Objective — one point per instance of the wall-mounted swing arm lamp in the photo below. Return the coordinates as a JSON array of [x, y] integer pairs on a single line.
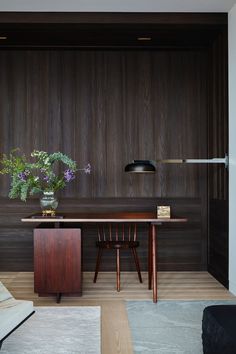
[[149, 166]]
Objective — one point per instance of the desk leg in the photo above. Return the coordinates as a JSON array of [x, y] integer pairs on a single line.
[[154, 262], [150, 258]]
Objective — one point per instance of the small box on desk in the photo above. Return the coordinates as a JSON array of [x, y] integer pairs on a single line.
[[163, 212], [40, 216]]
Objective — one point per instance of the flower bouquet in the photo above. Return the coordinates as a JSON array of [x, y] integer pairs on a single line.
[[39, 176]]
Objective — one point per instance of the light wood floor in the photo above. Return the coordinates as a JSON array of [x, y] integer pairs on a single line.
[[116, 336]]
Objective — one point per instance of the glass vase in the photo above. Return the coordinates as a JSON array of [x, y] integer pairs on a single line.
[[48, 203]]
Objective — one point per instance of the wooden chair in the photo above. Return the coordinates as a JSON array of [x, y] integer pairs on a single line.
[[117, 237]]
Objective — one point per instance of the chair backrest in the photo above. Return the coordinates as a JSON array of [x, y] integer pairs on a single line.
[[117, 231]]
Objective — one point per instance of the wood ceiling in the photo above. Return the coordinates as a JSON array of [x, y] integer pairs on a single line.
[[109, 30]]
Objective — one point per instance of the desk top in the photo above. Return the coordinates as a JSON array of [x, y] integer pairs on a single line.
[[149, 217]]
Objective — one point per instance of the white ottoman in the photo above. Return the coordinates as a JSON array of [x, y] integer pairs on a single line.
[[12, 312]]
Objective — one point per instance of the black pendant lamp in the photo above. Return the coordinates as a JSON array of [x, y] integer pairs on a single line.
[[147, 166], [140, 166]]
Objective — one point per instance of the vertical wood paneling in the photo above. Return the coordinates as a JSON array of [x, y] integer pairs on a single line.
[[218, 146], [107, 108]]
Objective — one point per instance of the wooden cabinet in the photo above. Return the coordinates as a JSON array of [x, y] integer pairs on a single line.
[[57, 262]]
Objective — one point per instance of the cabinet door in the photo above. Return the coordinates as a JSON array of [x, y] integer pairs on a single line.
[[57, 261]]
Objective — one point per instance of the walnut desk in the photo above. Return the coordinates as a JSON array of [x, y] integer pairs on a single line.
[[118, 217]]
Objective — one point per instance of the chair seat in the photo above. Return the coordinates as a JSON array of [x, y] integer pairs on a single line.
[[117, 244]]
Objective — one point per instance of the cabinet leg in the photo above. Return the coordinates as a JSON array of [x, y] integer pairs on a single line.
[[58, 298]]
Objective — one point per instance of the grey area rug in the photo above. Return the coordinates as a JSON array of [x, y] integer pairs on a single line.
[[57, 330], [168, 327]]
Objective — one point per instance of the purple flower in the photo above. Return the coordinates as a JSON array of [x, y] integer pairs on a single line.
[[69, 175], [22, 176], [46, 178], [87, 169]]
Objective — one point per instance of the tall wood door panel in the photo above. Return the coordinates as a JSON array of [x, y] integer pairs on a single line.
[[218, 179], [57, 261]]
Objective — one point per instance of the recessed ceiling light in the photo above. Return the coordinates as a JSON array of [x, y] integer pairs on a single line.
[[3, 37], [144, 38]]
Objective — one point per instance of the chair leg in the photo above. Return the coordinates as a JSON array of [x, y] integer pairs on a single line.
[[136, 261], [99, 256], [118, 269]]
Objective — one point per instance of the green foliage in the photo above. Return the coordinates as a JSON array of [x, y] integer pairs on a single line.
[[28, 178]]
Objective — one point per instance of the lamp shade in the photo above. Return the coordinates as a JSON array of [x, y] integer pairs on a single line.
[[140, 166]]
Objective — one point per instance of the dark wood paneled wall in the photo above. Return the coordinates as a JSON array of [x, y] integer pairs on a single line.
[[218, 175], [107, 108]]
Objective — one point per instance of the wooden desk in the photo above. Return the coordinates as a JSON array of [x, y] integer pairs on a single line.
[[120, 217]]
